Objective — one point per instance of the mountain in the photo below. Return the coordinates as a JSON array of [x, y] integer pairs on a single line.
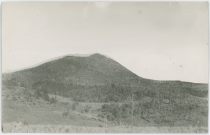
[[94, 70], [97, 79]]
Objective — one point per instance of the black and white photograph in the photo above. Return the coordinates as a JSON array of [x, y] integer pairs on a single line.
[[104, 67]]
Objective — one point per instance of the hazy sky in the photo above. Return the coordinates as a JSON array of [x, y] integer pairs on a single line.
[[167, 41]]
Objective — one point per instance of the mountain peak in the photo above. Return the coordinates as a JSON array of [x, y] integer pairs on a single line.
[[97, 55]]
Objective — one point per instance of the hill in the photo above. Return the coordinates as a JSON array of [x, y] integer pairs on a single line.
[[64, 75], [105, 89]]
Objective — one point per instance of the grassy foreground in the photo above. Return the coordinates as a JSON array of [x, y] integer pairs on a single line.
[[20, 128]]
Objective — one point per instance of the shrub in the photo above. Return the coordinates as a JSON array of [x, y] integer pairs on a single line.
[[87, 108], [52, 100], [74, 105]]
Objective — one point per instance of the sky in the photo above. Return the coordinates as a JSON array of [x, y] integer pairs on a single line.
[[156, 40]]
